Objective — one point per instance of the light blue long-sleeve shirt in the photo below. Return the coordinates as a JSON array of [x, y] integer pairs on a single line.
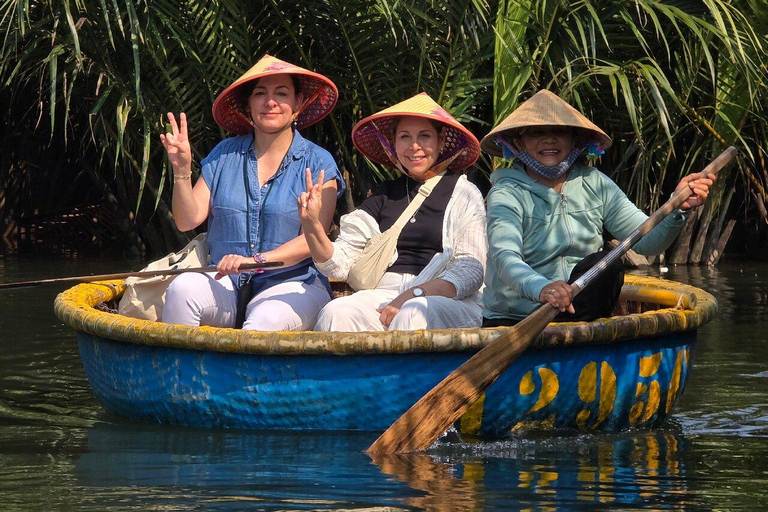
[[537, 235]]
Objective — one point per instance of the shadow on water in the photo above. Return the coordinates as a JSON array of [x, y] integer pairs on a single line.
[[60, 451]]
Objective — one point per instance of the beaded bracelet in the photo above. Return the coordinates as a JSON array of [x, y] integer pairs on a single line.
[[182, 177], [259, 258]]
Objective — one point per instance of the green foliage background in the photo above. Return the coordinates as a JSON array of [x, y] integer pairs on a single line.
[[86, 83]]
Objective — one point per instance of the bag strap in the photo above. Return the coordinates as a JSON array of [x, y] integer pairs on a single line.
[[410, 211]]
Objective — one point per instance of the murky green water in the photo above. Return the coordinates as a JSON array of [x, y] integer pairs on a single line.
[[60, 451]]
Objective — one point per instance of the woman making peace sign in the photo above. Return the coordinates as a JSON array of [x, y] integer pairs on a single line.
[[434, 276], [248, 192]]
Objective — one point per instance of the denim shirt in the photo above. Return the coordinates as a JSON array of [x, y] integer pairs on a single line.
[[245, 218]]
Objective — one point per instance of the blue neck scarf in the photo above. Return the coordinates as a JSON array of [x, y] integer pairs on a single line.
[[549, 172]]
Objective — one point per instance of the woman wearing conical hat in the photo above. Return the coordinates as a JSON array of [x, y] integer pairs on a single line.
[[247, 191], [432, 279], [547, 213]]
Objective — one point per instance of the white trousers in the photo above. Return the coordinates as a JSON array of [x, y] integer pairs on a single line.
[[357, 312], [199, 299]]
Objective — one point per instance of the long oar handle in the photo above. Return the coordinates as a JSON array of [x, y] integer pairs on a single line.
[[144, 274], [659, 215]]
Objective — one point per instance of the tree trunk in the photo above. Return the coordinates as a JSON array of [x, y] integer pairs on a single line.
[[694, 258], [349, 202], [760, 206], [715, 256], [714, 235], [683, 244]]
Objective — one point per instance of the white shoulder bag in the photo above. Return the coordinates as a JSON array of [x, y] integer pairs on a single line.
[[377, 255], [145, 298]]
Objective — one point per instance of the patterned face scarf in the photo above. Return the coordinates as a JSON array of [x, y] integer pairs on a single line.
[[546, 171]]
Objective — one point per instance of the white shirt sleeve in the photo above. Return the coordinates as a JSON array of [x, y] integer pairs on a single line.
[[470, 244], [355, 229]]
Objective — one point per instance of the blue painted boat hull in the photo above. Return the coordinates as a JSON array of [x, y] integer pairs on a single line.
[[608, 387]]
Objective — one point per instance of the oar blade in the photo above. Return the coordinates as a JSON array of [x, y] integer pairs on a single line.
[[436, 411]]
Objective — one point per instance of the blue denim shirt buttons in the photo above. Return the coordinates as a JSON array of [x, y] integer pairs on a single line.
[[246, 218]]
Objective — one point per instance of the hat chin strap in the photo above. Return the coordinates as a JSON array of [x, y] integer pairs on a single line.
[[441, 166]]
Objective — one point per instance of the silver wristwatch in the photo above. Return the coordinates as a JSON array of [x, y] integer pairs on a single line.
[[418, 292]]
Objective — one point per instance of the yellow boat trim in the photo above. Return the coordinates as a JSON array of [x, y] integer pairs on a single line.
[[685, 308]]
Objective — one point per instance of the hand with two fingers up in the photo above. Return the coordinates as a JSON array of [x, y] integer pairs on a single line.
[[311, 201], [176, 144]]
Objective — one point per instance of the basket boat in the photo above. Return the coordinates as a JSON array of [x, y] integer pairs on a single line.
[[626, 371]]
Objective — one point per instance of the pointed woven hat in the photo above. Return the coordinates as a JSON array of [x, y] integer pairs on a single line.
[[320, 95], [544, 109], [368, 133]]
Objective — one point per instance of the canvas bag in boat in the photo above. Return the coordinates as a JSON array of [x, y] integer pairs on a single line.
[[144, 298], [375, 259]]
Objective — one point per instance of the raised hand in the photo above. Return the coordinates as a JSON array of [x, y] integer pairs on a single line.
[[176, 144], [311, 201], [699, 185]]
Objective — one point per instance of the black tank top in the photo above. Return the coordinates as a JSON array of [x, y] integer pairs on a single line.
[[421, 239]]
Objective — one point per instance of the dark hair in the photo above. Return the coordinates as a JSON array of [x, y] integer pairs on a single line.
[[296, 84]]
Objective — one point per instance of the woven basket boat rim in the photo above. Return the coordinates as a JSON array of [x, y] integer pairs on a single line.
[[77, 308]]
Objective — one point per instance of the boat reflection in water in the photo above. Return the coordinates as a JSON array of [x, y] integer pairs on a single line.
[[180, 468], [625, 471]]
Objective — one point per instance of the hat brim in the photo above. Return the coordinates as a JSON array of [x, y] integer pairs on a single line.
[[544, 108], [491, 147], [228, 109]]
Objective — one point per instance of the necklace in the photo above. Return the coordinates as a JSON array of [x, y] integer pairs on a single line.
[[408, 196]]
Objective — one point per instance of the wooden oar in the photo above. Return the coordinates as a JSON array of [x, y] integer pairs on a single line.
[[123, 275], [436, 411]]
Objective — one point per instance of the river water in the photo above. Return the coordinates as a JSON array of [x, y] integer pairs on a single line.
[[60, 451]]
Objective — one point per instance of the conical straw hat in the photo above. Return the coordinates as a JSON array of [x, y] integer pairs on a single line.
[[544, 109], [320, 95], [367, 134]]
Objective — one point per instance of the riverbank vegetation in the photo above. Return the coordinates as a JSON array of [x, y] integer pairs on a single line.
[[86, 84]]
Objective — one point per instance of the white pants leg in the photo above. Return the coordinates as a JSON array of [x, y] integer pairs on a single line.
[[291, 306], [357, 312], [199, 299], [437, 312]]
